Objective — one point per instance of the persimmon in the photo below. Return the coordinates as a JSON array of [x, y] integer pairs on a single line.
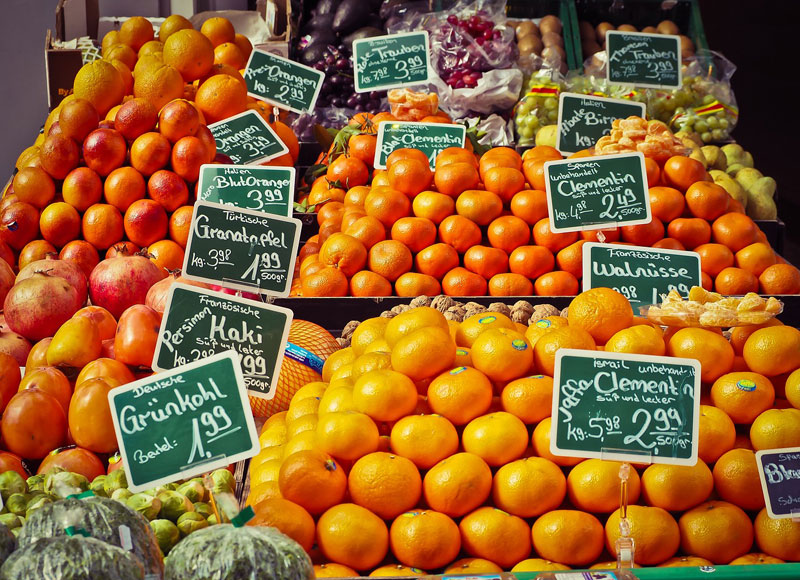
[[33, 424], [90, 422], [74, 459], [137, 332]]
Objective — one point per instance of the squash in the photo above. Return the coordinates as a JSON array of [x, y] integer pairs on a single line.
[[71, 558], [249, 553]]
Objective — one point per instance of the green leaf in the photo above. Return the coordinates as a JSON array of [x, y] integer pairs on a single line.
[[323, 136]]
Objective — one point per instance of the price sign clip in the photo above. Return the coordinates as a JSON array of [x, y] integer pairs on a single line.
[[625, 545]]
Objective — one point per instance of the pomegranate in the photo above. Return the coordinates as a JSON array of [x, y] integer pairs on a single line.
[[122, 281], [62, 268], [15, 345], [37, 306], [7, 279], [157, 295]]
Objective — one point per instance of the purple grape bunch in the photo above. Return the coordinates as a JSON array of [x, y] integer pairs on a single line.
[[338, 88]]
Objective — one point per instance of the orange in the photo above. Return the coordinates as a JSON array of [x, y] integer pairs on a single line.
[[415, 232], [529, 205], [461, 282], [534, 172], [99, 83], [123, 186], [644, 234], [712, 350], [424, 439], [773, 350], [508, 233], [570, 259], [385, 395], [220, 96], [735, 281], [654, 532], [472, 566], [531, 261], [736, 479], [669, 244], [135, 32], [497, 438], [179, 224], [459, 232], [593, 485], [501, 354], [544, 352], [780, 279], [171, 25], [405, 153], [166, 254], [460, 395], [366, 283], [541, 445], [470, 328], [734, 230], [755, 558], [390, 259], [756, 258], [412, 320], [363, 147], [102, 226], [346, 435], [436, 260], [413, 284], [58, 155], [82, 188], [485, 261], [159, 84], [343, 252], [218, 30], [424, 538], [792, 389], [348, 171], [544, 236], [506, 182], [780, 538], [569, 537], [458, 484], [149, 153], [190, 53], [368, 230], [776, 428], [717, 433], [145, 222], [34, 186], [529, 487], [387, 205], [410, 176], [325, 282], [77, 119], [122, 53], [716, 530], [742, 395], [707, 200], [530, 398], [681, 172], [385, 484], [714, 258], [639, 339], [352, 535], [230, 54], [740, 334], [333, 570], [666, 203], [433, 205], [455, 178], [60, 223], [393, 570], [538, 565], [455, 155], [691, 232], [313, 480], [479, 206], [685, 561], [483, 530], [602, 312], [177, 119], [677, 487], [287, 517]]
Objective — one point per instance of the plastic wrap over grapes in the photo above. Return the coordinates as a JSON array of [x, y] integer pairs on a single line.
[[538, 106]]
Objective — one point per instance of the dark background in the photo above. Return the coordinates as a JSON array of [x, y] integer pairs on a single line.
[[758, 37]]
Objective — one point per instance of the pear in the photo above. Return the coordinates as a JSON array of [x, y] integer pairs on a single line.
[[747, 177], [735, 153], [762, 207], [763, 186], [690, 135], [730, 185], [697, 154], [547, 135], [715, 157], [732, 170], [75, 344]]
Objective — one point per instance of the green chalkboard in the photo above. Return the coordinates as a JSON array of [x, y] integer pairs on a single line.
[[247, 138], [625, 407], [282, 82], [640, 274], [583, 119], [644, 60], [241, 249], [184, 422], [198, 323], [391, 61], [266, 189], [779, 471], [597, 192], [430, 138]]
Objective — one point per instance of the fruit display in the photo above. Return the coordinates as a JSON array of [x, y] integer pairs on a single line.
[[593, 38], [545, 40], [479, 225], [429, 435]]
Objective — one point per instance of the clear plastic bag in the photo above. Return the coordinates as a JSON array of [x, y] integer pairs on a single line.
[[538, 106]]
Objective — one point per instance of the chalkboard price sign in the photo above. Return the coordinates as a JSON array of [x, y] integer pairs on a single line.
[[282, 82], [779, 470], [430, 138], [184, 422], [644, 60], [199, 323], [625, 407], [391, 61], [265, 189], [583, 119], [641, 274], [247, 138], [241, 249], [597, 192]]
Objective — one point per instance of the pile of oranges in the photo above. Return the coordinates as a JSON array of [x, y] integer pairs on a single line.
[[426, 446], [118, 160], [479, 225]]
